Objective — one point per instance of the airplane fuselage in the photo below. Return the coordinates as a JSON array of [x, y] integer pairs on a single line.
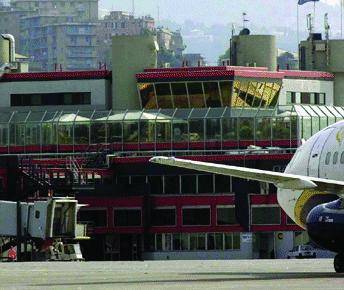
[[320, 213]]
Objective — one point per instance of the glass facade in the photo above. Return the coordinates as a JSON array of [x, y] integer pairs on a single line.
[[209, 94], [172, 129]]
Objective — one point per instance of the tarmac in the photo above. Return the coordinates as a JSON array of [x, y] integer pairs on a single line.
[[252, 274]]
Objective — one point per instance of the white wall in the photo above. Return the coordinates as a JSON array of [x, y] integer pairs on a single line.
[[97, 87], [307, 86]]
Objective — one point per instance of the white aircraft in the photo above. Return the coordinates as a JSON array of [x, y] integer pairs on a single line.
[[310, 191]]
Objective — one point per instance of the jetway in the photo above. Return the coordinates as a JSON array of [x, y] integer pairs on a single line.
[[46, 219]]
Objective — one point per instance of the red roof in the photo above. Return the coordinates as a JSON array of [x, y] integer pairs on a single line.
[[226, 72], [184, 74], [203, 74], [206, 68], [307, 74], [53, 76]]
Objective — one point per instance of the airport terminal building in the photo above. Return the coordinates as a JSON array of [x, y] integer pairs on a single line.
[[71, 140], [90, 134]]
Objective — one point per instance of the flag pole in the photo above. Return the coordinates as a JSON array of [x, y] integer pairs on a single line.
[[298, 23], [314, 16], [341, 18]]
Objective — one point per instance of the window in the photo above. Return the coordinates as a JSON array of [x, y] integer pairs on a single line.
[[225, 215], [222, 184], [215, 241], [342, 158], [53, 99], [156, 184], [305, 98], [205, 184], [328, 158], [180, 95], [171, 184], [196, 216], [177, 242], [127, 217], [147, 93], [212, 94], [96, 217], [291, 98], [189, 184], [197, 99], [319, 99], [197, 242], [335, 158], [164, 96], [163, 217], [163, 242], [138, 180], [266, 215]]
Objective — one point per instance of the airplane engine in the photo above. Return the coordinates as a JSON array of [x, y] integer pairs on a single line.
[[325, 226]]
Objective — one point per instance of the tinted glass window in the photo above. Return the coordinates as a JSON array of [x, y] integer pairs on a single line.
[[164, 217], [222, 184], [127, 217], [172, 184], [226, 216], [196, 216], [266, 215], [51, 99], [97, 218], [156, 184], [189, 184], [205, 184]]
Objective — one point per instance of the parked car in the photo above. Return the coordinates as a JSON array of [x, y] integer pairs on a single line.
[[303, 251]]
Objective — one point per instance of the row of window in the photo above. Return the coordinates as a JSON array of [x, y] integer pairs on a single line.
[[165, 216], [306, 98], [85, 131], [191, 216], [181, 184], [195, 242], [51, 99], [335, 158], [194, 184], [208, 94]]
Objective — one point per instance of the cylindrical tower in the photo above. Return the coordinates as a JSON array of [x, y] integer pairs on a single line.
[[4, 50], [254, 50], [130, 55]]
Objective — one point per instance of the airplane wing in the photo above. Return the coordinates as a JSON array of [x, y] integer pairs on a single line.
[[281, 180]]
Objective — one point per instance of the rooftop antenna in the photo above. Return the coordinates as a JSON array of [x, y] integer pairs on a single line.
[[233, 29], [244, 20], [327, 27], [133, 7], [158, 9], [310, 25]]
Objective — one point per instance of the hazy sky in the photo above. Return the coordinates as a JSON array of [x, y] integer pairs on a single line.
[[260, 12]]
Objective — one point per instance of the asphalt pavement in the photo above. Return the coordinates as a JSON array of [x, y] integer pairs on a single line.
[[252, 274]]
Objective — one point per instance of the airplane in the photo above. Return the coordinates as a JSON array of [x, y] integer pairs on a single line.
[[310, 191]]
